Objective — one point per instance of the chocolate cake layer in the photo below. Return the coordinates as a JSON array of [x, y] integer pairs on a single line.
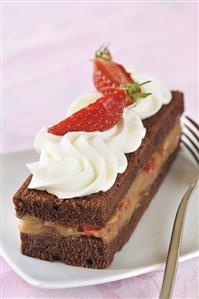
[[88, 251], [125, 209], [96, 209]]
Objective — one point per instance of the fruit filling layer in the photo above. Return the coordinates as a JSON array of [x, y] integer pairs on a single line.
[[131, 201]]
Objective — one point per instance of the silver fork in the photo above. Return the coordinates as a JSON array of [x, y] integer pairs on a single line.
[[191, 141]]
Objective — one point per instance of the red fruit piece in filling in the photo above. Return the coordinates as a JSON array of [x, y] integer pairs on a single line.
[[90, 229], [123, 205], [150, 166]]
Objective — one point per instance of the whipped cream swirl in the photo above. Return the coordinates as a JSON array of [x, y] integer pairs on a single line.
[[81, 163], [160, 95]]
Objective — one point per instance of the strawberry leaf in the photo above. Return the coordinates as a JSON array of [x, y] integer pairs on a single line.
[[133, 90], [142, 95]]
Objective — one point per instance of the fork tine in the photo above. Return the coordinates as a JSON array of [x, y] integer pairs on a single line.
[[191, 151], [193, 122], [191, 141], [192, 132]]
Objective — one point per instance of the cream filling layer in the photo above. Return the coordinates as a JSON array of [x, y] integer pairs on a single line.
[[131, 201]]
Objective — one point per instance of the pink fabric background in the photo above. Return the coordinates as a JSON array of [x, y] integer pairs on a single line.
[[47, 52]]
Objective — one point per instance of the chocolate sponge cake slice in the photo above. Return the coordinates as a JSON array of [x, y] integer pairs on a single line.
[[88, 231], [87, 250], [97, 208]]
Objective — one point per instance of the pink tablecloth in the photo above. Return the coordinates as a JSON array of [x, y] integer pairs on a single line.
[[47, 51]]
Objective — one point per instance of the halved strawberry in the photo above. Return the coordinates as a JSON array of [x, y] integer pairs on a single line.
[[98, 116], [108, 74]]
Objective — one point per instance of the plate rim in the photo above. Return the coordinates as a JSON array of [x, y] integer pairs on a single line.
[[115, 276]]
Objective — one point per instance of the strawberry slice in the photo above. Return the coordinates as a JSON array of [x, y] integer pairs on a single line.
[[108, 74], [98, 116]]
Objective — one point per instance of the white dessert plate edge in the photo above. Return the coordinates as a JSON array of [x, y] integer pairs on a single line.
[[114, 276]]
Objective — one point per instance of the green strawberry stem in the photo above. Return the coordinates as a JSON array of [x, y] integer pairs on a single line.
[[144, 83], [133, 90], [104, 53]]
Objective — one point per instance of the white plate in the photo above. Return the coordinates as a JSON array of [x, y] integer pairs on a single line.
[[146, 250]]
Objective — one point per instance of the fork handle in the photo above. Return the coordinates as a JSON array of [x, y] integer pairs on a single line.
[[174, 246]]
